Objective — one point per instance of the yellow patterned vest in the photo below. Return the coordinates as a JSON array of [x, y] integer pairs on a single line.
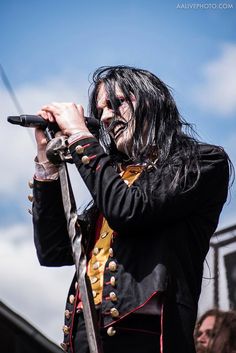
[[102, 249]]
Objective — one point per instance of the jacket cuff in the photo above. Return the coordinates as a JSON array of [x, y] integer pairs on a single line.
[[88, 154]]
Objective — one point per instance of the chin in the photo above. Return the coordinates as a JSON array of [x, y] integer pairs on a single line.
[[123, 146]]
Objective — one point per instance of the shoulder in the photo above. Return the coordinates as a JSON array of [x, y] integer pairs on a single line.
[[213, 157], [215, 168], [212, 153]]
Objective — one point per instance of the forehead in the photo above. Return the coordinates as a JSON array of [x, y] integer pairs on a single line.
[[208, 323], [102, 93]]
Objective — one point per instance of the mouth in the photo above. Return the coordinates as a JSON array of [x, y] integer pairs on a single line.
[[116, 128]]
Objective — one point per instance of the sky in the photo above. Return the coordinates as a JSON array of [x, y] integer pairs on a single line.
[[49, 50]]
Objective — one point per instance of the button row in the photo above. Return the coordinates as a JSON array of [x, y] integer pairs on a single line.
[[80, 150], [30, 197]]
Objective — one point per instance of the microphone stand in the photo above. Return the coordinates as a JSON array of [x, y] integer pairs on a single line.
[[57, 153]]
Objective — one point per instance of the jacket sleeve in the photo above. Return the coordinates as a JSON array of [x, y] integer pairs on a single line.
[[137, 206], [50, 230]]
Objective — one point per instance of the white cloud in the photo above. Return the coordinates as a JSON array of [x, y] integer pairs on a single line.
[[37, 293], [217, 93]]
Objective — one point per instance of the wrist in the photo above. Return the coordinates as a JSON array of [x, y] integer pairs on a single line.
[[72, 131], [45, 170], [41, 156], [78, 136]]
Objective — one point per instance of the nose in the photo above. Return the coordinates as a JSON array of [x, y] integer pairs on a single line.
[[202, 338], [107, 116]]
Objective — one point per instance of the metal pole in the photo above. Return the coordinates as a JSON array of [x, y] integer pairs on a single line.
[[55, 148]]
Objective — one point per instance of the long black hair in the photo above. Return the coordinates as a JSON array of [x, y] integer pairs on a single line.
[[169, 140]]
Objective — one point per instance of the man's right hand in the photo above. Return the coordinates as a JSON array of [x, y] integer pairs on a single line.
[[40, 137]]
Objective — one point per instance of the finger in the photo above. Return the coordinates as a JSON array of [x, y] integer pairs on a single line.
[[50, 108], [43, 114], [80, 109], [44, 141], [50, 117], [39, 134]]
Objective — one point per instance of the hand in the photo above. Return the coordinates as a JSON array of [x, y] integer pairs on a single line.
[[40, 137], [68, 116]]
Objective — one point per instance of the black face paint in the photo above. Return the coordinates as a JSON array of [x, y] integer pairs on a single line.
[[113, 105], [115, 122]]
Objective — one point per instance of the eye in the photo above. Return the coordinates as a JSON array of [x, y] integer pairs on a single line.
[[199, 333], [119, 101], [108, 104], [210, 333]]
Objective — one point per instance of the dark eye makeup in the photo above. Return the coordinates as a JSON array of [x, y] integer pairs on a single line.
[[117, 102]]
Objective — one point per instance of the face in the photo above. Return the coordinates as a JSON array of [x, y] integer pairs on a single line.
[[121, 126], [206, 332]]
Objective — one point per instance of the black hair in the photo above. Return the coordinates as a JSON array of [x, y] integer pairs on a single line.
[[170, 141]]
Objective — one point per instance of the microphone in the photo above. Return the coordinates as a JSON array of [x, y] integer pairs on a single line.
[[28, 121], [37, 121]]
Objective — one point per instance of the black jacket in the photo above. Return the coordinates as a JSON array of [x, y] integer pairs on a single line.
[[161, 239]]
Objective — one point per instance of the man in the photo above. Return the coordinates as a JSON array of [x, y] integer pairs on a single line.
[[216, 332], [157, 196]]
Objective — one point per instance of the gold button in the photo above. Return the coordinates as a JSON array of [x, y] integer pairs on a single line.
[[66, 329], [111, 331], [113, 296], [79, 149], [85, 160], [68, 314], [95, 251], [104, 234], [30, 198], [71, 299], [113, 281], [30, 184], [96, 265], [112, 266], [94, 293], [114, 312], [111, 252], [64, 346], [93, 279]]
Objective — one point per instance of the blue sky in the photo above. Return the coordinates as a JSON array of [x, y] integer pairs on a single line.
[[50, 48]]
